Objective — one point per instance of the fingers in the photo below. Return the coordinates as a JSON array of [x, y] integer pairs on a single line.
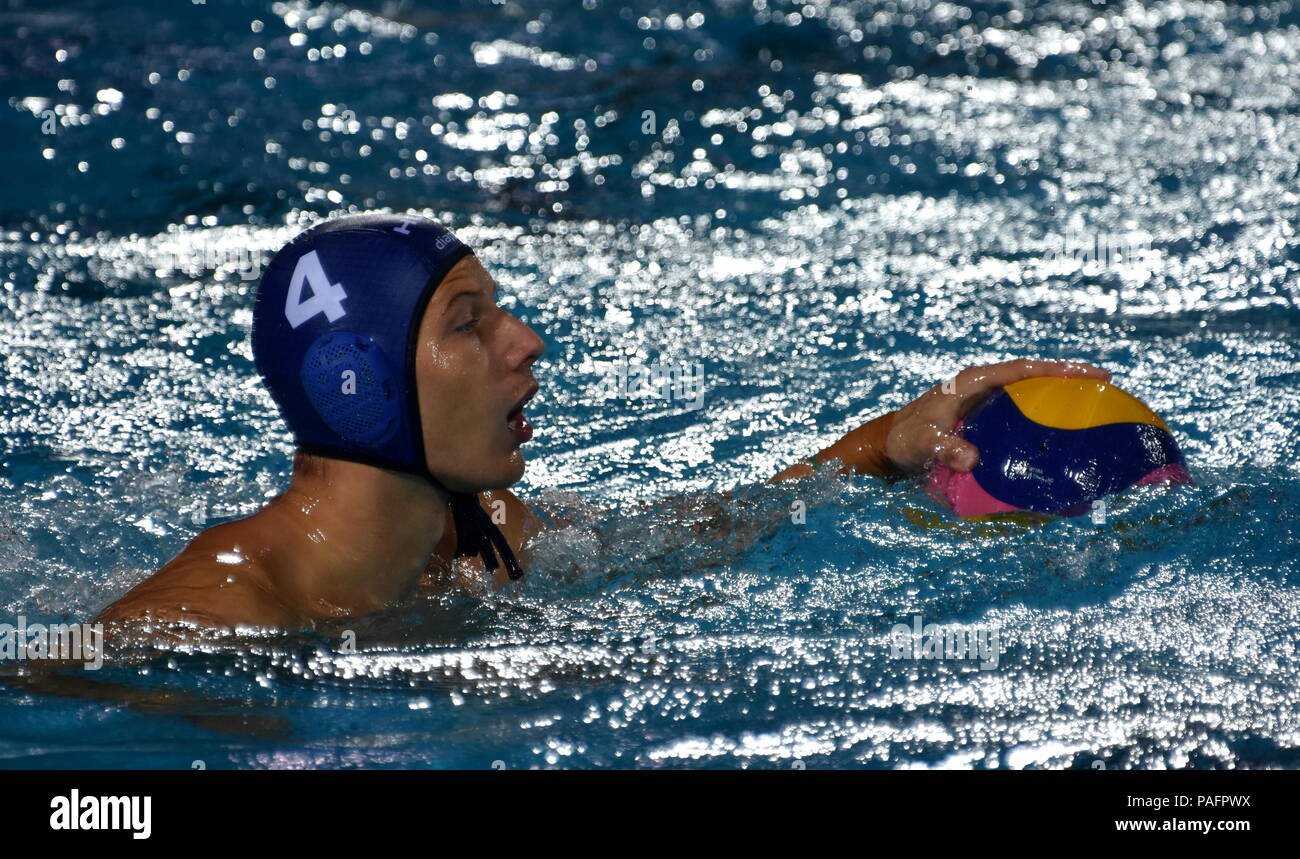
[[974, 382], [1008, 372], [946, 403], [1073, 369]]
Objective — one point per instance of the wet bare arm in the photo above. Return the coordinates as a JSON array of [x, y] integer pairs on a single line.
[[862, 451], [908, 441]]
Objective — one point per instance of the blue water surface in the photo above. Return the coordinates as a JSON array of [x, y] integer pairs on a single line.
[[827, 207]]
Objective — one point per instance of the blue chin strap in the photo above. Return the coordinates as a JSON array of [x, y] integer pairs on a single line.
[[335, 332]]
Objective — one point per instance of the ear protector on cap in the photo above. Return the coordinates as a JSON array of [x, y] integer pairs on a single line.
[[335, 331], [351, 384]]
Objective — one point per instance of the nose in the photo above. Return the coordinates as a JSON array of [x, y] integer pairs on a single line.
[[526, 346]]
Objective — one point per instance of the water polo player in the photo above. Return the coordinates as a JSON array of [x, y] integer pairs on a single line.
[[404, 385]]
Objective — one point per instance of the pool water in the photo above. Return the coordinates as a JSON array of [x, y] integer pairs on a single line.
[[826, 208]]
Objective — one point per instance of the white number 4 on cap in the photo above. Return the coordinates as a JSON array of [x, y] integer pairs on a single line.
[[325, 298]]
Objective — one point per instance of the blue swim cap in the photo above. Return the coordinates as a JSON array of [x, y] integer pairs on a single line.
[[335, 332]]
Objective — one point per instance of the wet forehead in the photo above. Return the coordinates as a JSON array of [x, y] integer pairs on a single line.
[[467, 274]]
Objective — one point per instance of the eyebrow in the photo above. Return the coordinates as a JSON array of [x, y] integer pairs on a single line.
[[466, 293]]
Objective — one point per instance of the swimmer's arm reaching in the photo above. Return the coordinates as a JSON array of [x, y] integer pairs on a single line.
[[906, 442], [893, 446], [862, 451]]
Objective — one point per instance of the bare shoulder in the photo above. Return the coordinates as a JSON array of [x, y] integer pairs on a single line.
[[220, 580]]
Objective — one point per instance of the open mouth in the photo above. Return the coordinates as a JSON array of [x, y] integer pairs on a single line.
[[516, 422]]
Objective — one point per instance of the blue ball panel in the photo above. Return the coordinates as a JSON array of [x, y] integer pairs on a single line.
[[1045, 469]]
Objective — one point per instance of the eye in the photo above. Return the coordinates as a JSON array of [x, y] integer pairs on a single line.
[[468, 326]]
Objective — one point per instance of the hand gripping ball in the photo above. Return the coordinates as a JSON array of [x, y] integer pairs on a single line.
[[1055, 445]]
